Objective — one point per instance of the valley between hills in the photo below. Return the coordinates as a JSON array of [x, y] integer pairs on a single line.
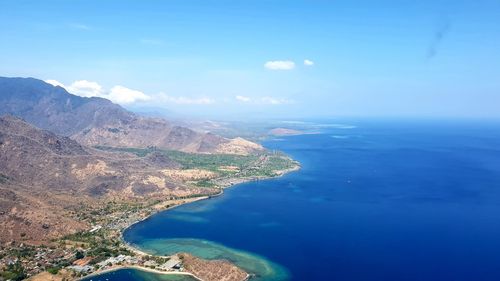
[[74, 172]]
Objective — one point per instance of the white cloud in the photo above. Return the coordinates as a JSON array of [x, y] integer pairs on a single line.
[[280, 65], [308, 62], [123, 95], [183, 100], [243, 98], [117, 94], [275, 101], [85, 88], [54, 83]]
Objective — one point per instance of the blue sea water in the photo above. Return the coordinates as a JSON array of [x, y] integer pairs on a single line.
[[373, 201]]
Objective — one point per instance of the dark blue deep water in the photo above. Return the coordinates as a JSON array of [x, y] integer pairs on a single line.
[[378, 201]]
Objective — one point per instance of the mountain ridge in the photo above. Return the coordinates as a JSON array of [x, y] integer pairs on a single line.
[[97, 121]]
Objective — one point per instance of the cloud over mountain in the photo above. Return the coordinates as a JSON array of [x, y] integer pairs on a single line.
[[118, 94], [123, 95], [85, 88]]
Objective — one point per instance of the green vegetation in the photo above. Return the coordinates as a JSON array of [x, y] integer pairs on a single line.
[[25, 252], [105, 252], [90, 214], [100, 247], [79, 255], [205, 183], [85, 237], [13, 272], [211, 162], [258, 164], [53, 270]]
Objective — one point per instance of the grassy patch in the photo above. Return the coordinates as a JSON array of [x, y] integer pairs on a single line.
[[13, 272], [258, 164]]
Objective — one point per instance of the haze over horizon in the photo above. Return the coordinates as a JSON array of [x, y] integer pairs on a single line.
[[265, 58]]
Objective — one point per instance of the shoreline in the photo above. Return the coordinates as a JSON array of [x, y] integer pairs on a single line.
[[233, 183], [140, 252], [140, 268]]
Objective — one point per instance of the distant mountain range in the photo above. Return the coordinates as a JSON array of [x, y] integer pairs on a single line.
[[97, 121]]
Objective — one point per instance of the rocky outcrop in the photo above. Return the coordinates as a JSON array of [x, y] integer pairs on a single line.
[[212, 270]]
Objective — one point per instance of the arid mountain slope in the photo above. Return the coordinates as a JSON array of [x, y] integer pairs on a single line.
[[97, 121], [45, 177]]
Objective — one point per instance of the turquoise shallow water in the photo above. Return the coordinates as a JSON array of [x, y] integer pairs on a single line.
[[260, 266], [373, 201]]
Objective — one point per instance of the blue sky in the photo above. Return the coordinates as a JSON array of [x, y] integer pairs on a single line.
[[247, 58]]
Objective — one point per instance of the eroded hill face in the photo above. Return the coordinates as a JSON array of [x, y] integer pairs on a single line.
[[97, 121], [44, 178]]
